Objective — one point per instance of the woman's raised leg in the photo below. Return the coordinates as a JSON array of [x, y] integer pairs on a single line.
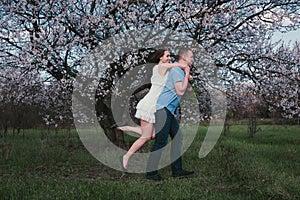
[[134, 129]]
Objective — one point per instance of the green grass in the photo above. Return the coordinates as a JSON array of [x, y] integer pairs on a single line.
[[266, 166]]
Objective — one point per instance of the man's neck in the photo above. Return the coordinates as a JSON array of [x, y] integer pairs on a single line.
[[181, 61]]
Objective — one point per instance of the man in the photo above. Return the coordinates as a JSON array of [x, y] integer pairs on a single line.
[[166, 123]]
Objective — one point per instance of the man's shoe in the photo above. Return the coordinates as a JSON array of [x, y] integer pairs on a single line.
[[183, 174], [155, 177]]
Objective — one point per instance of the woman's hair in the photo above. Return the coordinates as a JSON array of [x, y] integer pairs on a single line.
[[155, 57]]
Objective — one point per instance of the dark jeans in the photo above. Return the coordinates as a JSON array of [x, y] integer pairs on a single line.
[[166, 124]]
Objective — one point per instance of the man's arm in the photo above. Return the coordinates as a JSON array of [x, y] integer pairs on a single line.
[[181, 86]]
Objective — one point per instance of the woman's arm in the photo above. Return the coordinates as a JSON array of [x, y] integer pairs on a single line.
[[164, 67], [170, 65]]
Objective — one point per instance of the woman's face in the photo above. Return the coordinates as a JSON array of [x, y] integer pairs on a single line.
[[166, 58]]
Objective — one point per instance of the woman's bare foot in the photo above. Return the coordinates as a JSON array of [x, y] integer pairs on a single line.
[[122, 128], [153, 136], [125, 161]]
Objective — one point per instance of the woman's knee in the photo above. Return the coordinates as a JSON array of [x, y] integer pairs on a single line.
[[145, 138]]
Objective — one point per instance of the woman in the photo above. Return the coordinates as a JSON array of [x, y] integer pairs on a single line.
[[147, 106]]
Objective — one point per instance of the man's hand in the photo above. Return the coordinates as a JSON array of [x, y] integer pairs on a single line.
[[187, 71]]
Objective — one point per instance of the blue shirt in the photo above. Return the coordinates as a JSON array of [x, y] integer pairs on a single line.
[[168, 97]]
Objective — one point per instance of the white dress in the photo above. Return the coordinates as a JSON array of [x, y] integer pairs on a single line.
[[147, 105]]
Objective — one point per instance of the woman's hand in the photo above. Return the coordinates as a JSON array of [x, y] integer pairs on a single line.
[[182, 66], [187, 71]]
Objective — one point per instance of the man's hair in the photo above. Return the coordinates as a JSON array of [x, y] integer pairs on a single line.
[[183, 51]]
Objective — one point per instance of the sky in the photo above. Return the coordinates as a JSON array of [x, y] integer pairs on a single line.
[[286, 37]]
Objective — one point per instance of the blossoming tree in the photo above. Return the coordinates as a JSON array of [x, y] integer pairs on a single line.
[[51, 37]]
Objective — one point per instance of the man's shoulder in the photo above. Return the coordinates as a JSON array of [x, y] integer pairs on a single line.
[[176, 71]]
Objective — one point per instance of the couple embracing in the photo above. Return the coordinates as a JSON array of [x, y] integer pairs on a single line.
[[157, 111]]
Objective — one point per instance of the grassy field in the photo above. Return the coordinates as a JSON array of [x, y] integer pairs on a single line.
[[239, 167]]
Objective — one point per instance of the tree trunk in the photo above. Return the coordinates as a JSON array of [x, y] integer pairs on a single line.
[[106, 121]]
